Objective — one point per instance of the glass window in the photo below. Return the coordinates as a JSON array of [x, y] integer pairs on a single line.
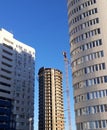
[[95, 109], [93, 43], [105, 107], [95, 81], [101, 108], [92, 110], [98, 31], [98, 94], [96, 124], [103, 124], [98, 110], [88, 96], [85, 70], [103, 65], [105, 79], [100, 42], [91, 125], [106, 92], [96, 67], [95, 95], [91, 95], [102, 54], [89, 82], [99, 124], [98, 81]]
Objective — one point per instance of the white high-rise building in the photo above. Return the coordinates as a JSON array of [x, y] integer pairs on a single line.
[[88, 49], [17, 68]]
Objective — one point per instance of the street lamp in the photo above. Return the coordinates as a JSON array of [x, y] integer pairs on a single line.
[[30, 123]]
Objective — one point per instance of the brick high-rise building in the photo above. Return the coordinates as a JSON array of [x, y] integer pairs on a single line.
[[51, 113], [88, 49], [17, 62]]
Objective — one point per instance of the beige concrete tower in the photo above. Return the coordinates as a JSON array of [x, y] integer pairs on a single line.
[[17, 63], [88, 49], [51, 113]]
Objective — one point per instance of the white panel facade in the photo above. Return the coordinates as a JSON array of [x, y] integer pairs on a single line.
[[17, 68]]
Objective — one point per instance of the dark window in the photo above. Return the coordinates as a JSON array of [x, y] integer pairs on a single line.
[[105, 79], [88, 96]]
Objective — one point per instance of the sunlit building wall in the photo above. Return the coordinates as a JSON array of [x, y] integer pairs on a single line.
[[17, 61], [88, 50], [51, 113]]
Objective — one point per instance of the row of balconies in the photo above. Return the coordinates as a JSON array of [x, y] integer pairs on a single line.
[[5, 103], [5, 110]]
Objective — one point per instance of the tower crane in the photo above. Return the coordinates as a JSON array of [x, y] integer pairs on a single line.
[[67, 89]]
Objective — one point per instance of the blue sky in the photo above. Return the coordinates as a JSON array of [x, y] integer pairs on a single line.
[[42, 24]]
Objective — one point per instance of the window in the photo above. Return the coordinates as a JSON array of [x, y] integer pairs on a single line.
[[83, 15], [17, 108], [103, 124], [88, 58], [85, 36], [105, 79], [87, 46]]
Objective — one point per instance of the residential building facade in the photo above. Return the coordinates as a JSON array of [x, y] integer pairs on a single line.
[[17, 61], [88, 50], [51, 113]]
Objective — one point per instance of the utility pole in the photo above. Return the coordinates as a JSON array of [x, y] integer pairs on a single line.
[[67, 89]]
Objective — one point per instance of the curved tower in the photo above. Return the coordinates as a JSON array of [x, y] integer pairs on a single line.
[[88, 49]]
